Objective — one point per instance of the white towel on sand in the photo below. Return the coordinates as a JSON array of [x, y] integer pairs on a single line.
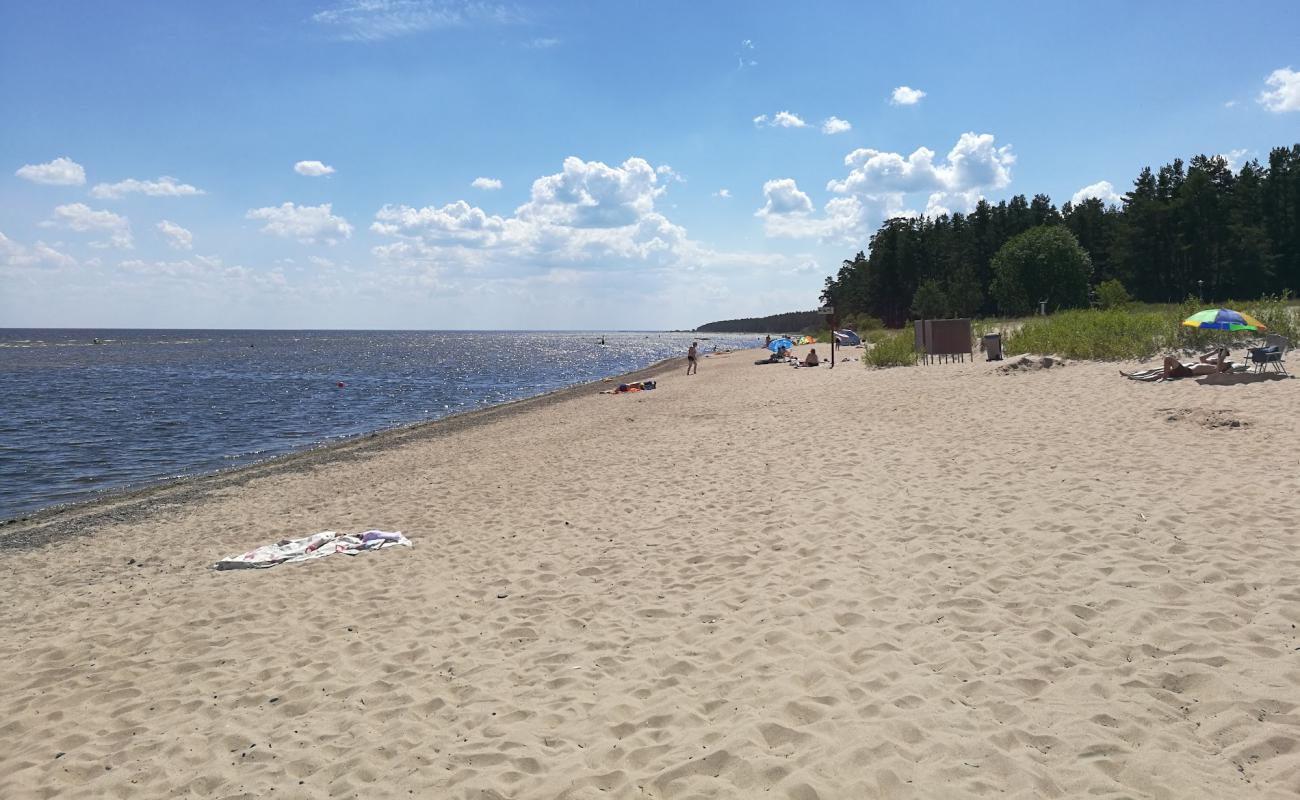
[[309, 548]]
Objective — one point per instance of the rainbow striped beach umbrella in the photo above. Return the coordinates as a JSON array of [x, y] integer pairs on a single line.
[[1224, 319]]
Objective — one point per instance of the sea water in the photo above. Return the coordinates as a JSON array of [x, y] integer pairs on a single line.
[[86, 411]]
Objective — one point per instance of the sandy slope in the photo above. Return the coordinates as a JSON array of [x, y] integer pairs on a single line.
[[758, 581]]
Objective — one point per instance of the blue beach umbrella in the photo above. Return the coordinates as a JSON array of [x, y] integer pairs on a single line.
[[777, 344]]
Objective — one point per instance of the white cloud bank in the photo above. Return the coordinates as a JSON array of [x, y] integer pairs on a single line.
[[313, 169], [588, 214], [1102, 190], [307, 224], [163, 187], [905, 96], [177, 237], [13, 254], [83, 219], [834, 125], [877, 185], [589, 242], [782, 119], [62, 171], [486, 184], [1285, 94]]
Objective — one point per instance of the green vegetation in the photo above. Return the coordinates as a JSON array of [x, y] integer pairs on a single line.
[[890, 349], [1136, 332], [776, 323], [1103, 335], [1112, 294], [1186, 229], [930, 301], [861, 323], [1043, 263]]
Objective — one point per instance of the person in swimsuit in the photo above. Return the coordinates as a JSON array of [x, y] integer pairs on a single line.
[[692, 359], [1209, 363], [812, 360]]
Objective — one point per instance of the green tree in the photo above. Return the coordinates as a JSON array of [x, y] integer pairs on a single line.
[[1112, 294], [1043, 263], [1186, 225], [930, 301], [964, 293]]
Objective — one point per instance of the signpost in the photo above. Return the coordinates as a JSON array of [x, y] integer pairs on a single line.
[[829, 313]]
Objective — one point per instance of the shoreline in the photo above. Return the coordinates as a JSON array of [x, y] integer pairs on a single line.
[[131, 503]]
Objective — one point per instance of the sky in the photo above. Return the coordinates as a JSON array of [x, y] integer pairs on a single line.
[[442, 164]]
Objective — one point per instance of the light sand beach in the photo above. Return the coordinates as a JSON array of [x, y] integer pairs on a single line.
[[938, 582]]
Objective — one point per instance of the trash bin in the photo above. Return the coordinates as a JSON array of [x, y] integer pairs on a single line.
[[991, 344]]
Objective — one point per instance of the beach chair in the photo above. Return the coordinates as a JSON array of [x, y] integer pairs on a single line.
[[1272, 353]]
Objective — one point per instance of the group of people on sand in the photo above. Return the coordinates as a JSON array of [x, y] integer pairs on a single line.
[[1211, 363], [783, 355]]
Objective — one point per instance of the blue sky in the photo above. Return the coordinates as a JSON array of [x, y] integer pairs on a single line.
[[313, 164]]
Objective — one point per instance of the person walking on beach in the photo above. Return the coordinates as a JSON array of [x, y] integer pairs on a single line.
[[692, 359]]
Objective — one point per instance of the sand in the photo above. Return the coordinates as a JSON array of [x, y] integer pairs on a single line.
[[938, 582]]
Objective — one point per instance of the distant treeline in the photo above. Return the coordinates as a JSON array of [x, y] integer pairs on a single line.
[[1180, 231], [790, 322]]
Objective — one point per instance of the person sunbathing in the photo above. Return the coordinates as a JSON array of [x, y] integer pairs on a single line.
[[812, 360], [1210, 363]]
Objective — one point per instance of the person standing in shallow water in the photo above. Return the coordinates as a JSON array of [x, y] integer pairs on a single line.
[[693, 359]]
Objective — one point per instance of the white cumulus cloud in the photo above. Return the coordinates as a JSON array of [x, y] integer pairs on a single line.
[[834, 125], [783, 196], [486, 184], [454, 221], [162, 187], [788, 213], [307, 224], [877, 187], [1102, 190], [974, 162], [176, 236], [590, 213], [62, 171], [1285, 92], [723, 193], [905, 96], [313, 169], [590, 194], [83, 219], [782, 119]]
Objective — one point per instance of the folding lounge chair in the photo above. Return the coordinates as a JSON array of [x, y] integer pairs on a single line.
[[1272, 353]]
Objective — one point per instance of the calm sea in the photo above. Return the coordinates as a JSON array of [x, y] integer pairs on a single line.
[[84, 411]]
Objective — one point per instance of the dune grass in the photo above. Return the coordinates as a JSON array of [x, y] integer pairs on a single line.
[[1138, 332], [1127, 332], [890, 349]]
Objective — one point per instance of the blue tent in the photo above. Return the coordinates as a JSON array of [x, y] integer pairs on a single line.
[[847, 337], [777, 344]]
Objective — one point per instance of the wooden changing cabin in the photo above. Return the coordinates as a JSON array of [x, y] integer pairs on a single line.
[[942, 339]]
